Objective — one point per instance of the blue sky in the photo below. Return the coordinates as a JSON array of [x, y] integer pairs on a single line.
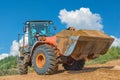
[[13, 14]]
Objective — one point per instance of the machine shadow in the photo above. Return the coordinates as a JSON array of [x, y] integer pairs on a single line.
[[90, 69], [85, 70]]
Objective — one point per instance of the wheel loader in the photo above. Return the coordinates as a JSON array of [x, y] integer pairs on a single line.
[[71, 48]]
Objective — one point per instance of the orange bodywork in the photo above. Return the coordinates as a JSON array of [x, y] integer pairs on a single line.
[[50, 40]]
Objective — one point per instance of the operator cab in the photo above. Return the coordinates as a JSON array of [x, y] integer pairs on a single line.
[[38, 28]]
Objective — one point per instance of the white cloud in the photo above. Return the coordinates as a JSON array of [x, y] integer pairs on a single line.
[[24, 39], [15, 47], [116, 41], [81, 19], [13, 50], [4, 55]]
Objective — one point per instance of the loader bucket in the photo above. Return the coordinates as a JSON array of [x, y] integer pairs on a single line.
[[83, 43]]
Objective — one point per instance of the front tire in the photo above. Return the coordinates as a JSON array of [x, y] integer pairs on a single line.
[[44, 60], [22, 67]]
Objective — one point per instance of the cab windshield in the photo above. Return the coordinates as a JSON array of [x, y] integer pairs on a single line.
[[41, 28]]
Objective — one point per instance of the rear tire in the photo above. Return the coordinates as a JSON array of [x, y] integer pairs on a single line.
[[22, 68], [74, 64], [44, 60]]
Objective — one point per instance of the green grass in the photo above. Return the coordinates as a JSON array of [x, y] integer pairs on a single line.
[[8, 65], [8, 62]]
